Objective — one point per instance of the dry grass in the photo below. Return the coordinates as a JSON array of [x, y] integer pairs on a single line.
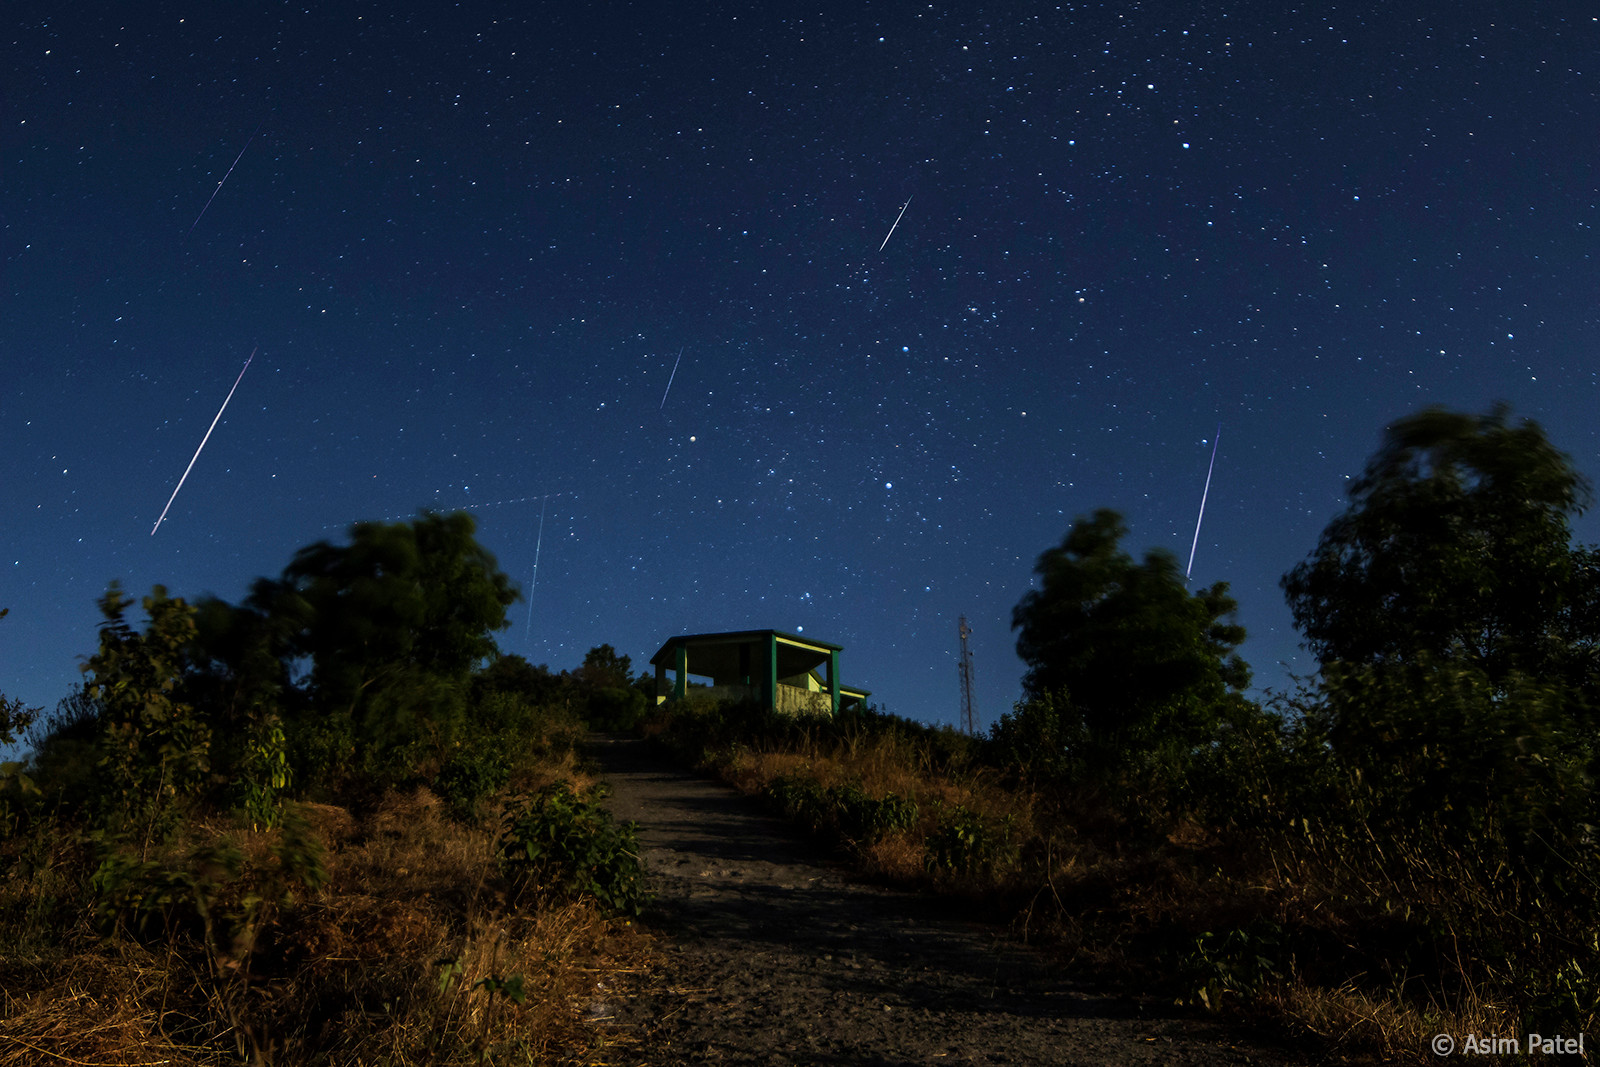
[[1136, 907], [395, 961]]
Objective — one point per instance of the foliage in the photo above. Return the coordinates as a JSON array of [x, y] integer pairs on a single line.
[[264, 775], [615, 709], [1442, 769], [1142, 660], [156, 749], [392, 623], [511, 675], [1037, 739], [1456, 546], [1238, 962], [15, 720], [845, 811], [968, 842], [470, 776], [561, 845], [65, 751], [603, 668]]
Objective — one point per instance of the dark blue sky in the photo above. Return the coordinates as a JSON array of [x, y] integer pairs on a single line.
[[471, 241]]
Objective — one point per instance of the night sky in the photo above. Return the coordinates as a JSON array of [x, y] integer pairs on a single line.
[[468, 244]]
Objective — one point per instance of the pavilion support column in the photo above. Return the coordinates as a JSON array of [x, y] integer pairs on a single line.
[[833, 681], [661, 680], [681, 689], [772, 671]]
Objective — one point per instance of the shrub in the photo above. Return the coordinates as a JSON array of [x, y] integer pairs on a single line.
[[561, 845], [469, 777], [968, 843]]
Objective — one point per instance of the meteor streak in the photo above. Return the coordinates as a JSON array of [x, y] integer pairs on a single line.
[[218, 189], [1205, 493], [203, 441], [671, 376], [527, 626], [897, 219]]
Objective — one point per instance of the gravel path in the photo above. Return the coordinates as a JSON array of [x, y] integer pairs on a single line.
[[772, 955]]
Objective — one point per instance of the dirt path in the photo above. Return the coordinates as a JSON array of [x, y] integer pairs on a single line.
[[774, 956]]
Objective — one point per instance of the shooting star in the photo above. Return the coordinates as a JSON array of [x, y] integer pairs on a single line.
[[225, 177], [1205, 493], [527, 626], [671, 376], [203, 441], [897, 219]]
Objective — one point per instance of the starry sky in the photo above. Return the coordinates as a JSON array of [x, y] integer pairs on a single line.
[[473, 245]]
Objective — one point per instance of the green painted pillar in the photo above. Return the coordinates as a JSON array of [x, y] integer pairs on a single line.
[[661, 677], [833, 680], [772, 671], [681, 689]]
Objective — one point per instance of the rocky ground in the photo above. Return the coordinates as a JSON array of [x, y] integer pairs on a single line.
[[770, 954]]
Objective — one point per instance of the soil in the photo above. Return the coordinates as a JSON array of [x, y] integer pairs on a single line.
[[770, 953]]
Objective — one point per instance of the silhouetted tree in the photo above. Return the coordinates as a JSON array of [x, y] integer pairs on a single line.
[[1456, 546], [1141, 660], [393, 623]]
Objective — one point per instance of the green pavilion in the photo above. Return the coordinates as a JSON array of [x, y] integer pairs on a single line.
[[784, 672]]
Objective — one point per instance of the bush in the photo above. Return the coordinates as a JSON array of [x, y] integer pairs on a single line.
[[616, 709], [558, 844], [846, 812], [967, 843], [471, 776]]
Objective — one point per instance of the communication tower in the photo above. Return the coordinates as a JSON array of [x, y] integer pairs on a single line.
[[969, 719]]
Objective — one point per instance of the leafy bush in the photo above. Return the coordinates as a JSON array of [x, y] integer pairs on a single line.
[[156, 749], [968, 843], [561, 845], [846, 811], [471, 776], [865, 819], [1237, 962], [263, 773]]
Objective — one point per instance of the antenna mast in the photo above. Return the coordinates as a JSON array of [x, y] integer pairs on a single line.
[[969, 721]]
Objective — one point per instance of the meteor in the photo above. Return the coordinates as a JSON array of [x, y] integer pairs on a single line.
[[218, 189], [1204, 493], [897, 219], [527, 626], [671, 376], [203, 441]]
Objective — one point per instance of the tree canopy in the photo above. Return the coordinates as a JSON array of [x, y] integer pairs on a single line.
[[1141, 658], [404, 612], [1455, 546]]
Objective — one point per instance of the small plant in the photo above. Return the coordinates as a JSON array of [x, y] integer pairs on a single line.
[[1238, 962], [967, 843], [264, 774], [509, 987], [561, 845]]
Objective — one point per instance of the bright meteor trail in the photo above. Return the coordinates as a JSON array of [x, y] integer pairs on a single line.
[[203, 441], [1205, 493], [897, 219]]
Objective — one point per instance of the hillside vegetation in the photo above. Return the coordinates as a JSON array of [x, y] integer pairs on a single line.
[[329, 825], [333, 824], [1403, 846]]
